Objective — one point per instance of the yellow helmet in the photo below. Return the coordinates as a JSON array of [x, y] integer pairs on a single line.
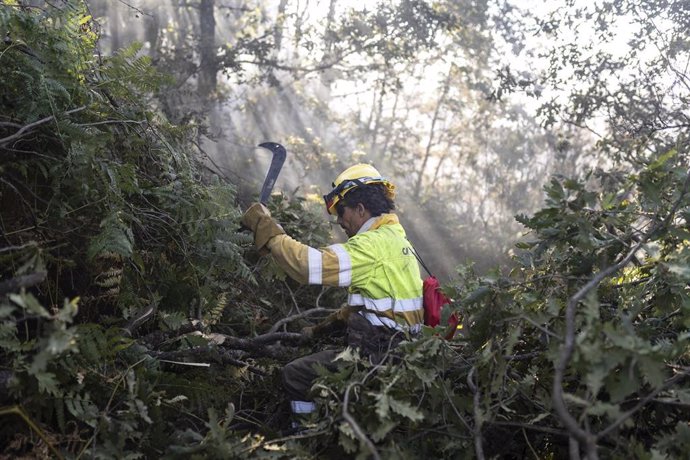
[[352, 177]]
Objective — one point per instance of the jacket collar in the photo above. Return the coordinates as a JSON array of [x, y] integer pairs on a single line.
[[378, 221]]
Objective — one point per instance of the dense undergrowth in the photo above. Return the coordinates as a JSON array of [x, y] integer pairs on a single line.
[[136, 321]]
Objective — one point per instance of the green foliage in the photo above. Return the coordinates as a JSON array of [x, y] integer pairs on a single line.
[[114, 242], [391, 33], [107, 198], [630, 331], [411, 405], [31, 356]]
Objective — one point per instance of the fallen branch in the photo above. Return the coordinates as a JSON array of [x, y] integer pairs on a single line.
[[304, 314], [157, 338], [256, 343], [261, 345], [213, 353]]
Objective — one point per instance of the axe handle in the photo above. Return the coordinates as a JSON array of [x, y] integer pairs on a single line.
[[279, 154], [266, 190]]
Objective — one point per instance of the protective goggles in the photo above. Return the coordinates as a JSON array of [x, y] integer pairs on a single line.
[[339, 191]]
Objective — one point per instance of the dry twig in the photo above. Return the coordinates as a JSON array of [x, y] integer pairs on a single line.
[[355, 426], [478, 447]]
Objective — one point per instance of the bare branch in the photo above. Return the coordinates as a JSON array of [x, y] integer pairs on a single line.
[[143, 13], [303, 435], [650, 397], [455, 409], [573, 448], [540, 327], [529, 444], [355, 426], [434, 120], [527, 426], [292, 296], [19, 411], [256, 343], [304, 314], [30, 126]]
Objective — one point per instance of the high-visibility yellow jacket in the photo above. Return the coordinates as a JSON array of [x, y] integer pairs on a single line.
[[377, 265]]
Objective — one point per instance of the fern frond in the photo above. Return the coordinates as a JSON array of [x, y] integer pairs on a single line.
[[56, 91], [115, 236], [174, 320], [82, 408], [92, 343], [215, 313]]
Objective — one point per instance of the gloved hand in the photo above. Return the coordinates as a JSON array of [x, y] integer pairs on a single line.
[[333, 322], [258, 220], [308, 332]]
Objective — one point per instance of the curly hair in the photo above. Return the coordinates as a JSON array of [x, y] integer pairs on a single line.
[[372, 196]]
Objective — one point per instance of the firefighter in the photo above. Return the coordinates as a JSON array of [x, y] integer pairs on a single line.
[[376, 264]]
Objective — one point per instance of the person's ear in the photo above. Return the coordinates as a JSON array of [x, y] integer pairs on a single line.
[[361, 209]]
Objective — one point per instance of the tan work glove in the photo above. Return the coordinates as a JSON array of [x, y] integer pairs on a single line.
[[308, 332], [334, 321], [258, 220]]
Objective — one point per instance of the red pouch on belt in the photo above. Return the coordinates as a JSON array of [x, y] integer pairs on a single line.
[[434, 300]]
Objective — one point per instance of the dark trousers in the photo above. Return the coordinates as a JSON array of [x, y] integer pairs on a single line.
[[299, 375], [373, 342]]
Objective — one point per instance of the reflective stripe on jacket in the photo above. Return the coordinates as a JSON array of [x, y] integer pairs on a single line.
[[377, 265]]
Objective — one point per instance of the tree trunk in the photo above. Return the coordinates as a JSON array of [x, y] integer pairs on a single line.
[[391, 128], [208, 67], [280, 22], [328, 75], [114, 26], [152, 30], [427, 153]]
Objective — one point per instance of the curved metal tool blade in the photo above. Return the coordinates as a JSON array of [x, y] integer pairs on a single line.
[[279, 154]]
